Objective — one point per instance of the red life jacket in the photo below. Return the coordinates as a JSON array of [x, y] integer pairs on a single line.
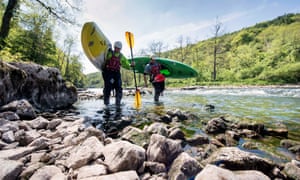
[[159, 78], [155, 68], [114, 63]]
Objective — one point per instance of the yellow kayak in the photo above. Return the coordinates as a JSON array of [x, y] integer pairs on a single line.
[[94, 43]]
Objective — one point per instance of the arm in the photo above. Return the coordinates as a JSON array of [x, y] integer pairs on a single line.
[[146, 72], [145, 80], [124, 62]]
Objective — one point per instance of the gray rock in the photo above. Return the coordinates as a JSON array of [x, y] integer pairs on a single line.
[[47, 172], [21, 107], [211, 172], [235, 159], [292, 171], [10, 170], [184, 167], [123, 156], [163, 150], [42, 86], [82, 154]]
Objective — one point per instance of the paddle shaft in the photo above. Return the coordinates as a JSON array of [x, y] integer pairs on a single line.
[[132, 61]]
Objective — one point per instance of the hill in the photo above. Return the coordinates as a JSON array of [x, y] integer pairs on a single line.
[[266, 53], [263, 54]]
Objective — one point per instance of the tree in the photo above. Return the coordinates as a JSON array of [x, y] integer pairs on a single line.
[[6, 20], [68, 44], [217, 29], [60, 10], [184, 47], [156, 47]]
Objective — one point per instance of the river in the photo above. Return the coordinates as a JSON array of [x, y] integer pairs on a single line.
[[269, 105]]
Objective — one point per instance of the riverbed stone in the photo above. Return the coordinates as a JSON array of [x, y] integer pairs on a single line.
[[216, 125], [10, 169], [212, 172], [292, 171], [21, 107], [123, 156], [184, 167], [89, 150], [235, 159], [47, 172], [163, 150]]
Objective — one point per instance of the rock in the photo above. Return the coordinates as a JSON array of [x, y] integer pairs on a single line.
[[21, 107], [157, 128], [154, 167], [47, 172], [279, 132], [123, 156], [42, 86], [212, 172], [216, 125], [11, 80], [176, 133], [292, 171], [15, 154], [28, 171], [91, 171], [235, 159], [84, 153], [287, 143], [184, 167], [197, 140], [128, 175], [9, 115], [39, 123], [9, 169], [163, 150]]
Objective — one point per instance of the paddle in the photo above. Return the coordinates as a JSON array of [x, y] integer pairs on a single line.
[[130, 42]]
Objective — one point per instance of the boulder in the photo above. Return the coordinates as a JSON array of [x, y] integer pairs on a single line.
[[42, 86]]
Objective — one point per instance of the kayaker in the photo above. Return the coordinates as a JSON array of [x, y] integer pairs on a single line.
[[156, 78], [111, 73]]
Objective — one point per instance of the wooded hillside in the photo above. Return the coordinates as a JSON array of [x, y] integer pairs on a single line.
[[267, 53]]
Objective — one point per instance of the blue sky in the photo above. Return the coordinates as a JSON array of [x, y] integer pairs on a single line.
[[167, 20]]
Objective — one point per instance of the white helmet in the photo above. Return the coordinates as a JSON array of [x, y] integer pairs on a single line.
[[118, 44]]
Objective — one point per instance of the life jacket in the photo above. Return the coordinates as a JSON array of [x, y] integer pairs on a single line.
[[154, 69], [114, 63], [159, 78]]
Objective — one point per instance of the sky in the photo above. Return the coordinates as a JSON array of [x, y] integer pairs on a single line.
[[166, 20]]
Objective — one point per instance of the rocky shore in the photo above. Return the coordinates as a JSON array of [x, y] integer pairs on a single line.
[[60, 145], [38, 141]]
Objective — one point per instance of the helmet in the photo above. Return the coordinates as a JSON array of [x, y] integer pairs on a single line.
[[118, 44], [152, 57]]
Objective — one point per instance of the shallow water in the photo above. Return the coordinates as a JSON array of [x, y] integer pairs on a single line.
[[271, 106]]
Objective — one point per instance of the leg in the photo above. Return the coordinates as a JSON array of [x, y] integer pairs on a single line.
[[156, 91], [119, 89], [107, 87]]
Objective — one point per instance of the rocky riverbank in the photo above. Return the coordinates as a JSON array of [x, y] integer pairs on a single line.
[[60, 145]]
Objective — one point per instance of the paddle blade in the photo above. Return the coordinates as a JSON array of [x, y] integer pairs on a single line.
[[137, 99], [129, 39]]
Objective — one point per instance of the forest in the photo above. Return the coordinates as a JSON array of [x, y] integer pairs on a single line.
[[267, 53]]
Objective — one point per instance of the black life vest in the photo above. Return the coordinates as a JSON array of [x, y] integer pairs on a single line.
[[114, 63]]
